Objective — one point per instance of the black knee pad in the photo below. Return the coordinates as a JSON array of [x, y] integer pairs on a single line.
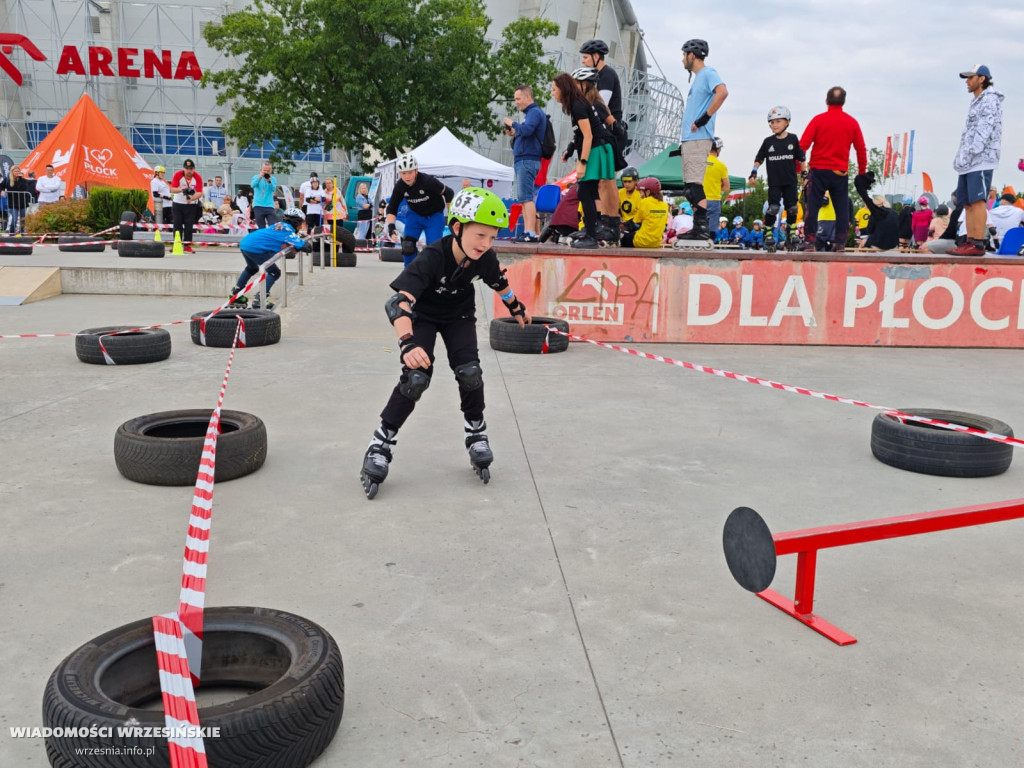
[[413, 384], [470, 376], [771, 214], [274, 271], [408, 246], [694, 193], [250, 270], [791, 214]]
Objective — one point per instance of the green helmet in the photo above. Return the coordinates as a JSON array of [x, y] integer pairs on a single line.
[[479, 206]]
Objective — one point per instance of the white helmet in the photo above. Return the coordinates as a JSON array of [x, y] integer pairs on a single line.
[[407, 162], [779, 113], [721, 219], [585, 75], [737, 220], [293, 216]]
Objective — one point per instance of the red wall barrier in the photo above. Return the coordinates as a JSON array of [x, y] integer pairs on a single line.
[[863, 301]]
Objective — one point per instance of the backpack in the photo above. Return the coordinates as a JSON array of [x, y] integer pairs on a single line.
[[547, 146]]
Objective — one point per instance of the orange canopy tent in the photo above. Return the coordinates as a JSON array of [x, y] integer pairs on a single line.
[[85, 148]]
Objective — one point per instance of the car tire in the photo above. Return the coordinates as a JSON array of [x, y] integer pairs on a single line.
[[146, 345], [140, 249], [262, 327], [165, 448], [293, 666], [12, 245], [66, 244], [507, 336], [932, 450], [391, 254]]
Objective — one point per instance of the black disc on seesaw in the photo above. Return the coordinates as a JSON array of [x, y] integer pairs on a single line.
[[749, 549]]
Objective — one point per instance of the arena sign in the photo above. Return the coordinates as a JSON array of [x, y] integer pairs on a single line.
[[97, 61]]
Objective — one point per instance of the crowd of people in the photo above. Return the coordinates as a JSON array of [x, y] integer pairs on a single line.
[[20, 192], [809, 207]]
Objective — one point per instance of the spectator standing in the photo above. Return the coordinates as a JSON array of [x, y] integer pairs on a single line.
[[364, 209], [305, 186], [783, 159], [706, 96], [187, 191], [527, 138], [594, 155], [161, 192], [921, 219], [716, 179], [263, 185], [314, 199], [427, 198], [609, 226], [30, 180], [216, 192], [832, 134], [15, 189], [978, 155], [607, 85], [49, 188]]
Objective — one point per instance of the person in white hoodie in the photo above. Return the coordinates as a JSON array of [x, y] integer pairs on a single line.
[[1004, 217], [978, 156]]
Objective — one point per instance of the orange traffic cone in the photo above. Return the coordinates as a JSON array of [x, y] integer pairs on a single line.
[[177, 250]]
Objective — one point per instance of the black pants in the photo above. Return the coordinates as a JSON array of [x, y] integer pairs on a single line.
[[835, 184], [185, 216], [787, 194], [459, 338], [588, 194]]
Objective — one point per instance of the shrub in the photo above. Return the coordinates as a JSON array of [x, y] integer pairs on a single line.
[[63, 216], [106, 204]]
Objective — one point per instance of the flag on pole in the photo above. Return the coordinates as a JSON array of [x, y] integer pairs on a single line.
[[887, 164], [927, 182], [903, 156], [910, 154]]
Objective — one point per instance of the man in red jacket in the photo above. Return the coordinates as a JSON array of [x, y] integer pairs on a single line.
[[832, 133]]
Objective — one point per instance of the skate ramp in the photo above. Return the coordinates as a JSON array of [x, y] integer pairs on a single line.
[[22, 285]]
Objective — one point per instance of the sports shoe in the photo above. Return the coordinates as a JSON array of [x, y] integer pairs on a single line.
[[528, 237], [578, 234], [807, 246], [585, 242], [967, 248], [188, 249]]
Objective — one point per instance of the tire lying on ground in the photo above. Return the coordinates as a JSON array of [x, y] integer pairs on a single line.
[[11, 245], [262, 327], [391, 254], [932, 450], [292, 667], [140, 249], [147, 345], [507, 336], [66, 243], [165, 448]]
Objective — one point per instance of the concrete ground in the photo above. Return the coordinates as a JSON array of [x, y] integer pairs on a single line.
[[576, 611]]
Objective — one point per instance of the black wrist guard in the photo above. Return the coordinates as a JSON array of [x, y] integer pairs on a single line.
[[703, 120], [407, 343], [516, 308]]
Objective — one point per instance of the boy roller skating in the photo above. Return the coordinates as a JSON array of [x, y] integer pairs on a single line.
[[434, 295], [783, 159], [259, 245]]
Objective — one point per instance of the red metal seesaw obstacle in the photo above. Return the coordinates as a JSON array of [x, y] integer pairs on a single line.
[[751, 550]]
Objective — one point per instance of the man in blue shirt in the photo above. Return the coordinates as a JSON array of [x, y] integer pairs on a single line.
[[263, 186], [527, 137], [707, 93], [261, 244]]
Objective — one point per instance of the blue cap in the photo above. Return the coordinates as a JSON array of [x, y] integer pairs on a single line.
[[977, 69]]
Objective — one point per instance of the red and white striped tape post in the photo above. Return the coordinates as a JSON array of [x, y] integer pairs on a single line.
[[895, 412], [197, 542], [180, 711]]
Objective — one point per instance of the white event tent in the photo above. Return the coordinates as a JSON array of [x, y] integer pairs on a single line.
[[447, 158]]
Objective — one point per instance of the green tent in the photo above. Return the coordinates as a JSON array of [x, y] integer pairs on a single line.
[[669, 171]]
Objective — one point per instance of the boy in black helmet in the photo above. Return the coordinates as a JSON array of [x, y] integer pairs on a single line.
[[783, 159]]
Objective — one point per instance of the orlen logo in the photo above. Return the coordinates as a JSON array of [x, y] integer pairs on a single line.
[[7, 43], [99, 61]]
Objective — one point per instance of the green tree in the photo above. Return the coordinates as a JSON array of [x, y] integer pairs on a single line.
[[385, 74]]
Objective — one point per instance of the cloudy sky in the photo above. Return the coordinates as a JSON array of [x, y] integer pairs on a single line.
[[899, 62]]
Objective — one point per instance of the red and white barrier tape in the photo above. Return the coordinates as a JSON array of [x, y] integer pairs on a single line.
[[181, 715], [788, 388]]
